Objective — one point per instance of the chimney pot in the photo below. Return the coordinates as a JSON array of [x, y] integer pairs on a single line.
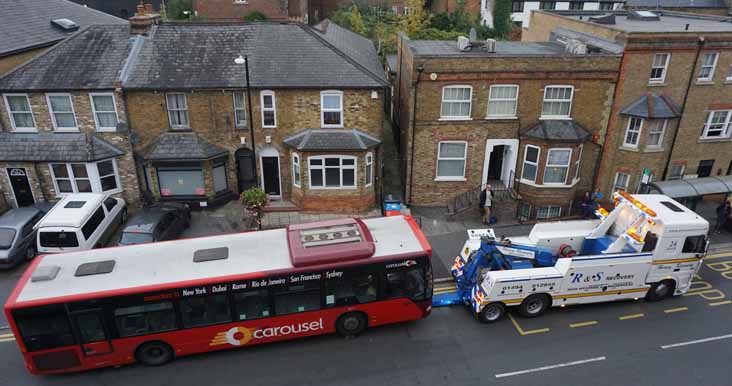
[[149, 8]]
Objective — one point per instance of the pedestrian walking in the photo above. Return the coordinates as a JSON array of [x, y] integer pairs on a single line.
[[487, 204], [723, 213], [588, 205]]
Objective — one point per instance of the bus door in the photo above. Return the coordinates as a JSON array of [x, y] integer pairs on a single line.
[[93, 334]]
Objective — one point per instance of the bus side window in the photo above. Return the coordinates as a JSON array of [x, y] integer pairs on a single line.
[[694, 244], [204, 310], [298, 298], [352, 288], [252, 305], [408, 283], [145, 319], [44, 329]]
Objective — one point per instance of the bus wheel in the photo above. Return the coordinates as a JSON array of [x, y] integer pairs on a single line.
[[493, 312], [534, 305], [660, 290], [350, 324], [154, 354]]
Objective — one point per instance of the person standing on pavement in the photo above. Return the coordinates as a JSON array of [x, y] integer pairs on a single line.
[[487, 204], [723, 213], [481, 203], [588, 205]]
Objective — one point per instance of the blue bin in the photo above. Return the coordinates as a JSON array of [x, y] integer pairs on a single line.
[[392, 205]]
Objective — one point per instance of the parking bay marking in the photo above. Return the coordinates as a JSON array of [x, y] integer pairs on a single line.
[[678, 309], [633, 316], [550, 367], [720, 303], [583, 324], [668, 346], [527, 332]]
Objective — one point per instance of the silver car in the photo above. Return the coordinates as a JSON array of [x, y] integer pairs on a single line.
[[17, 236]]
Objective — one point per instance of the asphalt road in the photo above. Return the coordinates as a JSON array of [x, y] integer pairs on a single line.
[[625, 343]]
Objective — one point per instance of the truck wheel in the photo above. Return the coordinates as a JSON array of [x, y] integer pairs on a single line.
[[491, 313], [351, 324], [154, 354], [30, 253], [534, 305], [660, 290]]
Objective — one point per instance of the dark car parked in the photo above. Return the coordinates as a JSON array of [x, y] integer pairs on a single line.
[[17, 236], [158, 222]]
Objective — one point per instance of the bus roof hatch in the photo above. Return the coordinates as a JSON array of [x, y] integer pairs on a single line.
[[329, 242]]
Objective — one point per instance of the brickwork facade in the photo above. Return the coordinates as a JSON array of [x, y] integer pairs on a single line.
[[233, 10], [39, 173]]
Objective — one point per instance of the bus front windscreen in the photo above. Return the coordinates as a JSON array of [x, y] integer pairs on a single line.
[[58, 239]]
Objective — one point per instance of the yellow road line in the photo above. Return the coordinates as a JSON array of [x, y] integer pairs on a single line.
[[678, 309], [583, 324], [527, 332], [718, 255], [7, 340], [720, 303], [633, 316], [5, 335]]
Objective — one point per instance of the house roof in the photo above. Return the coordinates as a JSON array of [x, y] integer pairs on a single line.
[[91, 59], [391, 62], [566, 130], [358, 47], [48, 146], [448, 48], [180, 147], [26, 24], [201, 56], [675, 3], [331, 139], [653, 106]]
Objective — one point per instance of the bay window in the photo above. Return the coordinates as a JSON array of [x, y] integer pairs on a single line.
[[632, 132], [104, 111], [531, 163], [456, 101], [219, 175], [62, 111], [296, 169], [96, 177], [181, 180], [557, 101], [21, 115], [451, 156], [332, 172], [549, 211], [557, 166], [655, 133], [331, 109], [577, 164], [369, 172]]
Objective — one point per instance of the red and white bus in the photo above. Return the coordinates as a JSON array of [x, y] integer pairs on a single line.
[[153, 302]]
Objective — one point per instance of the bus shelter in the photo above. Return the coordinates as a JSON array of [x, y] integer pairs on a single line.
[[690, 191]]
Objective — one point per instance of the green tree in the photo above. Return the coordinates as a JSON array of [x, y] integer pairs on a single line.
[[441, 21], [416, 20], [501, 18], [460, 18], [255, 16], [357, 24], [175, 9], [254, 199]]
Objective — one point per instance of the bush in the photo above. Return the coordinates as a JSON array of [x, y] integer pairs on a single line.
[[502, 18], [175, 8], [254, 199], [255, 16]]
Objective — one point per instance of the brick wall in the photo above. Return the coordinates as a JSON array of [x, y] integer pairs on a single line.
[[231, 10], [542, 23]]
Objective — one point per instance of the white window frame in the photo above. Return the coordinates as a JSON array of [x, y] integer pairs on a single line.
[[703, 66], [680, 176], [547, 165], [368, 169], [548, 209], [94, 110], [296, 170], [456, 117], [536, 164], [12, 118], [53, 113], [322, 167], [263, 109], [185, 109], [729, 74], [92, 172], [664, 72], [545, 100], [726, 125], [323, 110], [637, 132], [617, 177], [577, 164], [514, 100], [244, 109], [464, 158], [653, 129]]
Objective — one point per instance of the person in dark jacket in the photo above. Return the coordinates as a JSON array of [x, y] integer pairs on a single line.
[[721, 216], [481, 202], [588, 205]]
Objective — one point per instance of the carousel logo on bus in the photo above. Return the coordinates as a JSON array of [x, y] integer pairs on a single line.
[[405, 263], [239, 336]]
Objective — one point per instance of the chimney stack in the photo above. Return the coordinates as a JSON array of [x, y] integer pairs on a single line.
[[144, 19]]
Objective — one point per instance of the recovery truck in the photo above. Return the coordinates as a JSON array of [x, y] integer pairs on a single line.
[[647, 246]]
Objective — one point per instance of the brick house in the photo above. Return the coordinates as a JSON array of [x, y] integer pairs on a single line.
[[529, 117], [236, 10], [316, 120], [120, 8], [672, 112], [64, 123], [27, 27]]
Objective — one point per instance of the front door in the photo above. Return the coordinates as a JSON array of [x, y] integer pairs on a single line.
[[495, 165], [21, 186], [271, 175], [245, 169], [94, 335]]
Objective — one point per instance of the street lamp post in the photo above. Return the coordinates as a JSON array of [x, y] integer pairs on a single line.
[[245, 61]]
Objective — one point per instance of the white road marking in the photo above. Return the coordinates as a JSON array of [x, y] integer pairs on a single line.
[[697, 341], [543, 368]]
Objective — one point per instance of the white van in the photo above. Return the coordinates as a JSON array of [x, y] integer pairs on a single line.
[[80, 221]]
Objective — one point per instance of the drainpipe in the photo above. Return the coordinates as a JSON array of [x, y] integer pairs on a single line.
[[610, 121], [700, 45], [420, 70]]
